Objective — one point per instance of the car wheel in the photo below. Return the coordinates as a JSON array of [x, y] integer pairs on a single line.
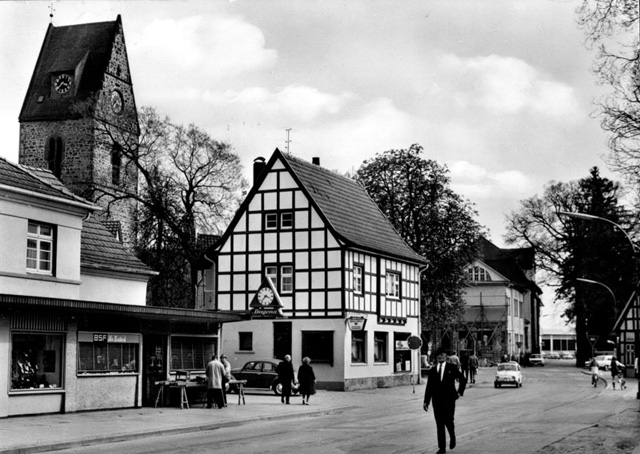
[[495, 385], [606, 368], [277, 389]]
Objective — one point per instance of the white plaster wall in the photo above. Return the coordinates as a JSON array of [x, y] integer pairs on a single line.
[[113, 290], [101, 392]]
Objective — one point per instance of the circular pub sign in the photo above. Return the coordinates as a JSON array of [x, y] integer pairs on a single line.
[[414, 342]]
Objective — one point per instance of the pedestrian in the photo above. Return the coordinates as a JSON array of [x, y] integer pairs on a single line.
[[227, 376], [464, 365], [285, 378], [453, 359], [616, 369], [215, 372], [306, 380], [441, 390], [595, 372], [473, 367]]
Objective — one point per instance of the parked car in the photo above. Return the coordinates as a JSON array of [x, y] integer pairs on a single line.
[[604, 362], [259, 374], [567, 355], [536, 359], [508, 374], [552, 355]]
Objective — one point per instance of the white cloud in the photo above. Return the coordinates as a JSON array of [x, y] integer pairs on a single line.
[[478, 182], [295, 102], [503, 85], [205, 46]]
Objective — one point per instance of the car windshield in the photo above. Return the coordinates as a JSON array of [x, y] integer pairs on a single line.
[[510, 367], [601, 358]]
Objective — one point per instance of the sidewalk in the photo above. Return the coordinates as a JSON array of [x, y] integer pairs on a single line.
[[42, 433], [31, 434]]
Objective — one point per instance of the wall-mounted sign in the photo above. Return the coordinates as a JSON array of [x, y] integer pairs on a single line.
[[111, 338], [414, 342], [356, 323], [266, 302]]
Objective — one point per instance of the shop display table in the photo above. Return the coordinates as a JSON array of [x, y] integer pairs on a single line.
[[240, 385]]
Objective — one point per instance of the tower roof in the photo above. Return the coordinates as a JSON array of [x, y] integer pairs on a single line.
[[80, 50]]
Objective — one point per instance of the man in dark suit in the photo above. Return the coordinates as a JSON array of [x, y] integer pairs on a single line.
[[441, 390]]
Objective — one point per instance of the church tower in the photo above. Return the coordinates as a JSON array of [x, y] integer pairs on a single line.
[[79, 117]]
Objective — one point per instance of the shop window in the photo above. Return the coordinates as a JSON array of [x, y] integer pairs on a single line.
[[358, 346], [36, 361], [380, 343], [191, 353], [40, 249], [246, 341], [357, 279], [318, 345], [402, 353], [108, 353], [392, 289]]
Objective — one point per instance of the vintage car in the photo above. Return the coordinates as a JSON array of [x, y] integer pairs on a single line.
[[260, 374], [508, 374], [536, 359]]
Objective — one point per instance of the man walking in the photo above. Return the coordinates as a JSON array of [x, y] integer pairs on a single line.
[[285, 377], [441, 390]]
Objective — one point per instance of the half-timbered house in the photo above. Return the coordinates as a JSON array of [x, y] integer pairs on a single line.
[[346, 287], [627, 328]]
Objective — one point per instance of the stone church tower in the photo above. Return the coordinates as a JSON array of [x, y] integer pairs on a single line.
[[79, 117]]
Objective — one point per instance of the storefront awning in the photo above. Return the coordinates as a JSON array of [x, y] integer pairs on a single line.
[[171, 314]]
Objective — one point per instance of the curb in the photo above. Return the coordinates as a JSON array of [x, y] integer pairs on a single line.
[[93, 440]]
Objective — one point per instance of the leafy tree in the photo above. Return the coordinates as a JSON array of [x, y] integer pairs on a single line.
[[415, 195], [568, 248], [612, 26], [187, 184]]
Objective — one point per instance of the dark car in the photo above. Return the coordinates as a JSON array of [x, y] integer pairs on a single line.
[[259, 374]]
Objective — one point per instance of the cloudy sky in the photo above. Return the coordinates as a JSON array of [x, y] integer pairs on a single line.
[[499, 91]]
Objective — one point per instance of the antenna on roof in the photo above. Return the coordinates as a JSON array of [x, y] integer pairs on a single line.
[[51, 10], [288, 141]]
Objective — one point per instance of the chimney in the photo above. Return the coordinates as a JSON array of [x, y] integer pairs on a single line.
[[258, 166], [315, 161]]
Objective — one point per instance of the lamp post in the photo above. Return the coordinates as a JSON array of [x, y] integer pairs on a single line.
[[591, 217], [615, 303]]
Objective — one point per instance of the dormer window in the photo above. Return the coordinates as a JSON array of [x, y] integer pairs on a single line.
[[478, 274]]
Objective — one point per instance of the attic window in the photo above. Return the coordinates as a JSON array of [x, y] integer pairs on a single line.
[[478, 274]]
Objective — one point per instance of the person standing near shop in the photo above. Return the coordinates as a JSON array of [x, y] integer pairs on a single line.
[[285, 377], [307, 380], [227, 376], [215, 374], [441, 390]]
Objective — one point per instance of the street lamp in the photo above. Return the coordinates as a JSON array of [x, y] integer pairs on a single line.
[[591, 217], [615, 304]]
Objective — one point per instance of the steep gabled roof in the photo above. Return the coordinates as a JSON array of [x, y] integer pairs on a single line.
[[508, 262], [344, 206], [82, 50], [348, 210], [100, 250]]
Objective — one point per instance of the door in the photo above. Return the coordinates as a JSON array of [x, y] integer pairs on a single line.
[[281, 339], [154, 353]]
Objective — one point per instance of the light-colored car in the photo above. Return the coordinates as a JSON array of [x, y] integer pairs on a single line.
[[604, 362], [508, 374], [536, 359]]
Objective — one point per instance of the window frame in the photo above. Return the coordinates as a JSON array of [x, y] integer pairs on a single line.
[[358, 279], [279, 220], [318, 345], [359, 347], [392, 290], [17, 370], [245, 341], [380, 346], [41, 239], [284, 281], [205, 354]]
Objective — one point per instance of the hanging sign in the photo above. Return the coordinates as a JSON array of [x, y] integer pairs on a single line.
[[266, 302], [414, 342], [356, 323]]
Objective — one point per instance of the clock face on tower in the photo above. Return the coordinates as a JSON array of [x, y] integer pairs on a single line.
[[116, 101], [62, 83], [265, 296]]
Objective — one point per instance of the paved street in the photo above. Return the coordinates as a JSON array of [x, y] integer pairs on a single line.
[[556, 411]]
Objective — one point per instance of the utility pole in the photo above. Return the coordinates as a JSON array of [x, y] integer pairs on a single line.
[[288, 141]]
